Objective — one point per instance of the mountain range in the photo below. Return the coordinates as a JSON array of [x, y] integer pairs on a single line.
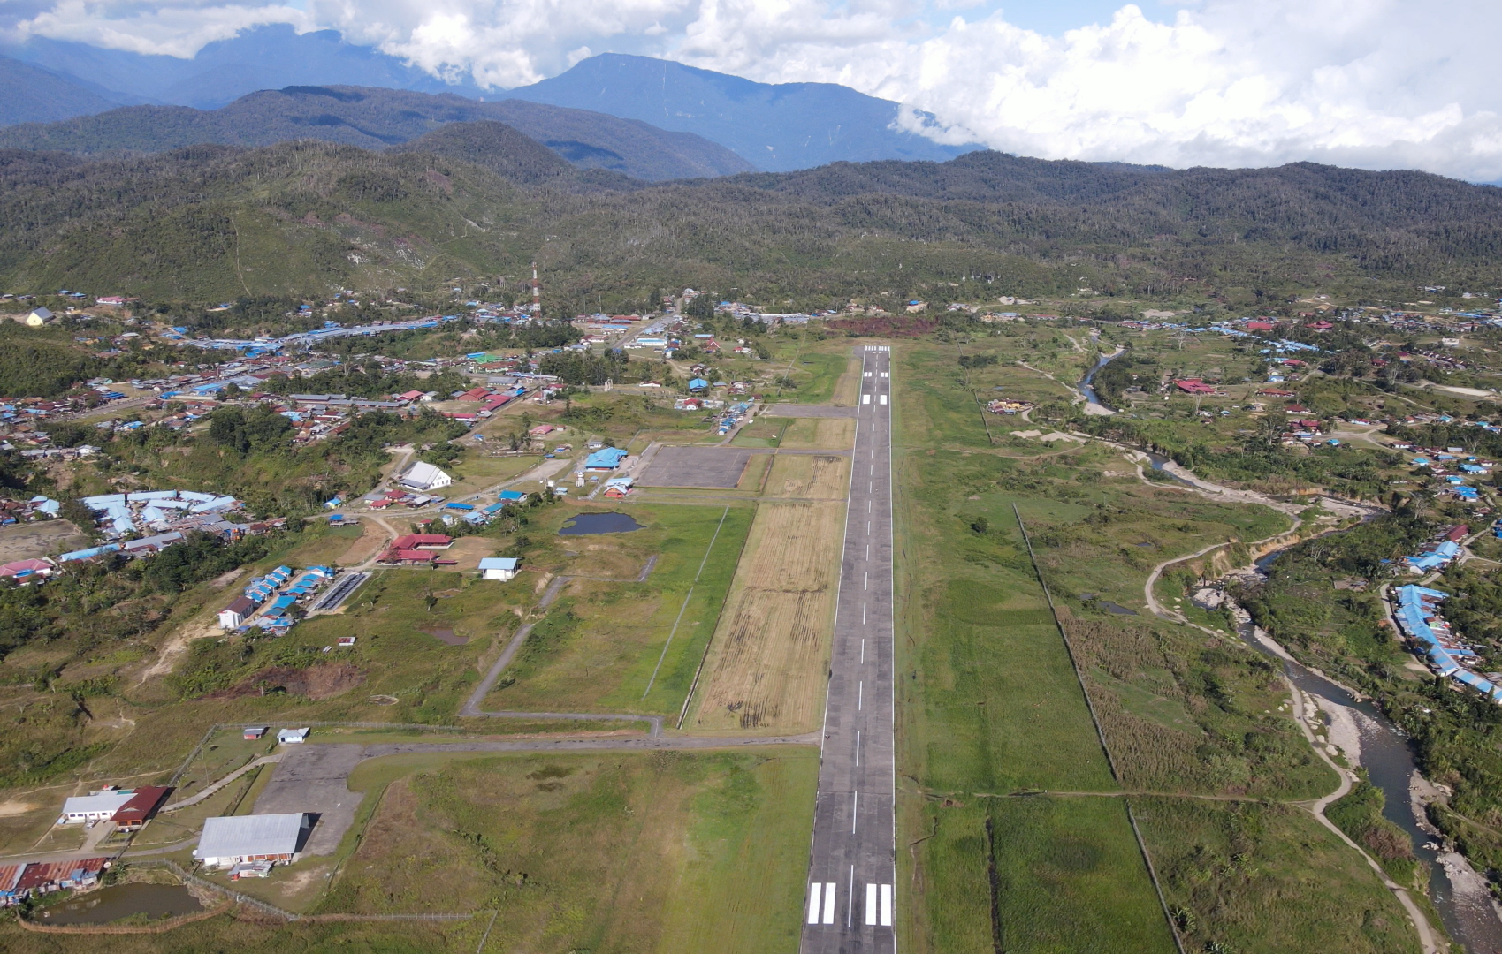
[[379, 118], [481, 200], [770, 127]]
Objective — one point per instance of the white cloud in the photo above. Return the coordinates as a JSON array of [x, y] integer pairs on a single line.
[[1376, 83]]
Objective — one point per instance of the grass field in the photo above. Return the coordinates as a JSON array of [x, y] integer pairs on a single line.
[[641, 852], [598, 646], [1253, 877], [760, 433], [819, 434], [994, 706], [809, 475], [766, 669], [847, 390]]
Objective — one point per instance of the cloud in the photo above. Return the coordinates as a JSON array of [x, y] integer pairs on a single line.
[[1374, 83]]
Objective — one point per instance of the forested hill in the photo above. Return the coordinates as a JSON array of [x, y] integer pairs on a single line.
[[379, 118], [213, 222]]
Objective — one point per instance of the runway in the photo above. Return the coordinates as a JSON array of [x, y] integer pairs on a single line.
[[849, 903]]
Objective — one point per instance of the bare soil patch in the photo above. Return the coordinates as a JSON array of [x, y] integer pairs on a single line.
[[815, 476], [321, 682], [447, 636], [39, 539], [373, 538]]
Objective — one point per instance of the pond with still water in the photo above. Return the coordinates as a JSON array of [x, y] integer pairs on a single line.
[[114, 902], [607, 522]]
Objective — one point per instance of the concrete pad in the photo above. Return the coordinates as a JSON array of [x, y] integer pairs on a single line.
[[314, 778], [719, 467]]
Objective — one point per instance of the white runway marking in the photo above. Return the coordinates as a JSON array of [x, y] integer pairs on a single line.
[[865, 579], [868, 550], [850, 900], [860, 693], [870, 903], [814, 895], [863, 644], [868, 507], [829, 903], [854, 806], [883, 399], [865, 399], [857, 747], [886, 904], [868, 527]]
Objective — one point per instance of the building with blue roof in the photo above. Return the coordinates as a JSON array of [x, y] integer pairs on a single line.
[[605, 459]]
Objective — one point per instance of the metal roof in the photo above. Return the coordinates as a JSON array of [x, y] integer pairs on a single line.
[[227, 837]]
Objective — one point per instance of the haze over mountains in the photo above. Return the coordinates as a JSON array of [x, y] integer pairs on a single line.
[[772, 128], [776, 128]]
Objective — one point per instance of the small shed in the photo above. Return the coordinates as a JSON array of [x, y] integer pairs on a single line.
[[499, 568], [292, 736], [256, 732]]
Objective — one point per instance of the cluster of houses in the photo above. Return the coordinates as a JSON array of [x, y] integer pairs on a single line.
[[1418, 615], [19, 882], [125, 809], [268, 602], [1437, 554], [1454, 469]]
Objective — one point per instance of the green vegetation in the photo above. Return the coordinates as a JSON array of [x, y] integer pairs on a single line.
[[991, 704], [1255, 877], [635, 852]]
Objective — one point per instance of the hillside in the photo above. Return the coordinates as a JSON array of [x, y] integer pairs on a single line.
[[34, 95], [777, 128], [377, 118], [214, 222]]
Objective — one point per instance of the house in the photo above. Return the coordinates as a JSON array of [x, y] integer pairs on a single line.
[[255, 732], [265, 837], [499, 568], [605, 459], [423, 542], [39, 316], [1193, 386], [141, 806], [512, 497], [234, 615], [423, 476], [697, 384], [618, 487], [95, 807], [285, 737]]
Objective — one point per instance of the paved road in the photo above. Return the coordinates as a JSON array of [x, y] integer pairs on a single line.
[[849, 903]]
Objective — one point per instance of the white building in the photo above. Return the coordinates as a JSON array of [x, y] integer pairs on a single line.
[[425, 477], [499, 568], [267, 837], [95, 807], [292, 736], [39, 316]]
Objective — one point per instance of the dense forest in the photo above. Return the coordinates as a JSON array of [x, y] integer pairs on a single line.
[[211, 223]]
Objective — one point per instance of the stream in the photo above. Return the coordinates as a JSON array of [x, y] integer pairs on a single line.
[[1093, 404], [1384, 750], [1459, 894]]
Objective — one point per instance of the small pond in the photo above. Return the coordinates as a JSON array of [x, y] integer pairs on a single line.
[[607, 522], [115, 902], [1111, 606]]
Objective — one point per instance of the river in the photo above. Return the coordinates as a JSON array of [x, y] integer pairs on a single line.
[[1093, 403], [1386, 753]]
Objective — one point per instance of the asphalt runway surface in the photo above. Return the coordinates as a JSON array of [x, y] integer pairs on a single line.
[[849, 902]]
